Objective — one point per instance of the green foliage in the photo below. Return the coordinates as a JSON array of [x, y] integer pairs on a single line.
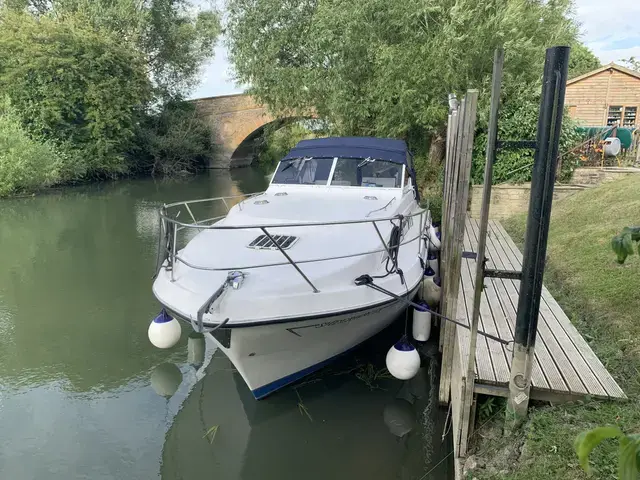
[[82, 75], [628, 450], [429, 178], [25, 164], [172, 141], [632, 62], [622, 244], [519, 121], [73, 84], [383, 68], [277, 140], [172, 37], [581, 60], [487, 408]]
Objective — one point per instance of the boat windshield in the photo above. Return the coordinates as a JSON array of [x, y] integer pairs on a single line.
[[367, 172], [305, 171], [348, 172]]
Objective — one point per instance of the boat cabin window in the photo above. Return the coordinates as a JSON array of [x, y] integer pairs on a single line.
[[304, 171], [366, 172]]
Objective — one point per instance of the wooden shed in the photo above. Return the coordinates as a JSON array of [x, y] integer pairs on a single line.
[[605, 96]]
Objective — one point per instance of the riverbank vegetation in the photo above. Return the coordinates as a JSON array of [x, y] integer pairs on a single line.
[[598, 294], [99, 85]]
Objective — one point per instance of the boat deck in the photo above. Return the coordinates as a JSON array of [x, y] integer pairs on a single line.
[[565, 367]]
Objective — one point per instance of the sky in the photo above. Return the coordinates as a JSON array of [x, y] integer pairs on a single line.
[[610, 28]]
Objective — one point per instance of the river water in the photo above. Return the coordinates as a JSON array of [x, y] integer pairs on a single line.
[[77, 399]]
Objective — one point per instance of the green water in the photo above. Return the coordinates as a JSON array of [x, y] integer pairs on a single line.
[[76, 399]]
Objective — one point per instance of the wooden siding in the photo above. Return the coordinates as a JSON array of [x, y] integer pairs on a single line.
[[589, 99]]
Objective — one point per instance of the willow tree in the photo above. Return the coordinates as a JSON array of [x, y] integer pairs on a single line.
[[173, 37], [375, 67]]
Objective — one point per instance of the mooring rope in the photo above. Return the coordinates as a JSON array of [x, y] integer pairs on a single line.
[[368, 281]]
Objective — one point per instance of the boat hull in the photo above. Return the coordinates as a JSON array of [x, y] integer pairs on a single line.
[[273, 355]]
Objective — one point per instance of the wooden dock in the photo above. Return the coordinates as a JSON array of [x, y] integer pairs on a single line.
[[550, 360], [565, 368]]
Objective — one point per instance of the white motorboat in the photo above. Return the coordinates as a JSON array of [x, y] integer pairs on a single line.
[[292, 277]]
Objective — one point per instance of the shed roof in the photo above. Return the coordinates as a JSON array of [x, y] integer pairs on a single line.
[[609, 66]]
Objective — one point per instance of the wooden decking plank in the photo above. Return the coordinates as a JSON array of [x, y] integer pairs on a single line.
[[505, 311], [595, 376], [508, 304], [543, 355], [547, 334], [462, 335], [484, 365], [598, 369], [487, 324], [560, 360], [483, 354], [484, 361]]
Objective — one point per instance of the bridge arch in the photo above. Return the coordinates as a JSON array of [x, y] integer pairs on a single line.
[[247, 151], [237, 123]]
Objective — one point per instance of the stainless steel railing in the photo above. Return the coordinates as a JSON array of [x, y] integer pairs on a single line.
[[171, 226]]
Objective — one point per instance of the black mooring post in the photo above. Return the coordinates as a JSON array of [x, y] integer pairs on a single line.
[[535, 247]]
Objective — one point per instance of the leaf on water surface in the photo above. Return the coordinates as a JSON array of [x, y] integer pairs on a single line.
[[301, 407], [211, 433]]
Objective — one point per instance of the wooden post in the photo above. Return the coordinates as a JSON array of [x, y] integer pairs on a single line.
[[448, 175], [492, 136], [453, 235], [446, 227]]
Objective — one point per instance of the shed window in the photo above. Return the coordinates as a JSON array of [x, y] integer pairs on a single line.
[[615, 115], [630, 116]]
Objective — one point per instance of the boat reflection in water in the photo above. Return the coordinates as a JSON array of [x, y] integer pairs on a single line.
[[349, 421]]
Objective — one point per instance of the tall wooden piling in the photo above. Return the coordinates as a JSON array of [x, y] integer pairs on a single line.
[[456, 196]]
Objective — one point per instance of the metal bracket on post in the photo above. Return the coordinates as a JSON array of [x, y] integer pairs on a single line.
[[515, 144], [506, 274]]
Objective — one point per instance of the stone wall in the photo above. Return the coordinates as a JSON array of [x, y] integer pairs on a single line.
[[507, 200], [598, 175]]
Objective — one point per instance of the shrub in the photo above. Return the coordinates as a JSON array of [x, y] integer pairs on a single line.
[[171, 141], [429, 176], [519, 121], [73, 84], [26, 164]]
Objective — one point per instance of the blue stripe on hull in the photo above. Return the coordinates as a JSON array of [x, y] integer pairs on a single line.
[[269, 388]]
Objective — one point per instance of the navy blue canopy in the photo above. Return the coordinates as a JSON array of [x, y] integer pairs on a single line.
[[352, 147]]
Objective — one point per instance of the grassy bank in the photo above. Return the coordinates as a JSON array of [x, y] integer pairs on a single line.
[[601, 298]]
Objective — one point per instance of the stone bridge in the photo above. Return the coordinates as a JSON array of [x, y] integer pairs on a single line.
[[237, 123]]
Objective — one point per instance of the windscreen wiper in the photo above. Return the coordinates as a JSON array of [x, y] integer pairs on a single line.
[[365, 161], [288, 166], [291, 161]]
